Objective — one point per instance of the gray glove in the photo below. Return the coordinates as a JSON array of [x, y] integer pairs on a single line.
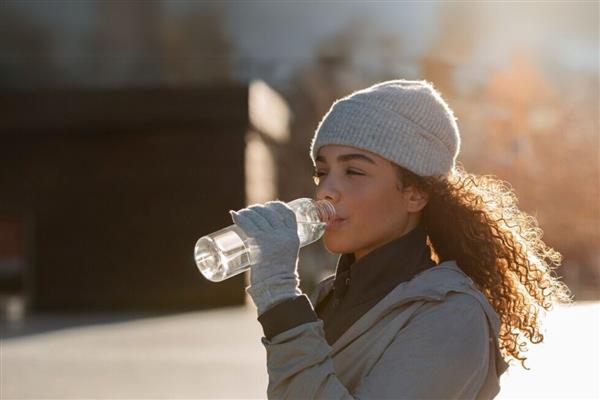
[[273, 236]]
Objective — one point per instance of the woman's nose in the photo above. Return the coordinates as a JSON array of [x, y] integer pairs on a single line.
[[326, 190]]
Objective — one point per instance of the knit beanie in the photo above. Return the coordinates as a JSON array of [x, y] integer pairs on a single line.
[[404, 121]]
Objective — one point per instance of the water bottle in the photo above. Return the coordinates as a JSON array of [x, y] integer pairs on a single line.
[[226, 253]]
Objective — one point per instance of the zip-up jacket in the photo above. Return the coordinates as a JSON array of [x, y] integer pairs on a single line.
[[434, 336]]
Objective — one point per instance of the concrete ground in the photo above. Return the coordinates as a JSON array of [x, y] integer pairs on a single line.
[[217, 354]]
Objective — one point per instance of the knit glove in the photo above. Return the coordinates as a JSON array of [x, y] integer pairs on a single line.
[[273, 239]]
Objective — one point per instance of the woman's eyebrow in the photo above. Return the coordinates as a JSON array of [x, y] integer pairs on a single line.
[[348, 157]]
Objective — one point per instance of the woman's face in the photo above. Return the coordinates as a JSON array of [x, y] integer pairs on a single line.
[[363, 188]]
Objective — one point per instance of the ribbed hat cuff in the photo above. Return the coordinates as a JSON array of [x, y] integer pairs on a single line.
[[383, 132]]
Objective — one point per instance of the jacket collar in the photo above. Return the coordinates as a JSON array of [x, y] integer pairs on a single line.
[[431, 284], [382, 269]]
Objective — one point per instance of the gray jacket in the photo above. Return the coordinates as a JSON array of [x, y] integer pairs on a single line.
[[433, 337]]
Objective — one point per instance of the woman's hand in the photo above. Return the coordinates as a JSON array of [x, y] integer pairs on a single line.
[[273, 235]]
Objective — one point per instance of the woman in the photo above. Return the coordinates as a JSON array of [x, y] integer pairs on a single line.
[[440, 273]]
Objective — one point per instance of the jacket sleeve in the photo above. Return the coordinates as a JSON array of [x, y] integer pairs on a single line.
[[441, 353]]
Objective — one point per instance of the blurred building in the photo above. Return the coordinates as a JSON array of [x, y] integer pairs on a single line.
[[105, 192]]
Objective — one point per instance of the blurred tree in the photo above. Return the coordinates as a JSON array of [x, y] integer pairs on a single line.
[[126, 40], [142, 44], [537, 132], [460, 27], [543, 139], [196, 49], [111, 43]]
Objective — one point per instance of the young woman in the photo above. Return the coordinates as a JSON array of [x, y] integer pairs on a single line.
[[440, 275]]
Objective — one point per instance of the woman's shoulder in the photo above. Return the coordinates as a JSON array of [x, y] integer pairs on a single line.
[[434, 283], [457, 306], [446, 286]]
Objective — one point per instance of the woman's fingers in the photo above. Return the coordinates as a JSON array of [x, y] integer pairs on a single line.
[[247, 224], [285, 212], [272, 216], [258, 217], [262, 219]]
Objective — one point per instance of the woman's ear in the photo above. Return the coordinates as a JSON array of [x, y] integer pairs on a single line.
[[416, 199]]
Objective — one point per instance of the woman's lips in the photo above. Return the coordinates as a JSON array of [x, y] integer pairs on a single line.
[[336, 223]]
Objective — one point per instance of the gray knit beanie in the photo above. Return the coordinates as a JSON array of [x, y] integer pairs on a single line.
[[404, 121]]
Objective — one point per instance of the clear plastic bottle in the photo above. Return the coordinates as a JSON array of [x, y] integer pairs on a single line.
[[226, 252]]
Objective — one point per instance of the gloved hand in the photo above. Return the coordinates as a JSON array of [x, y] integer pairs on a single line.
[[273, 236]]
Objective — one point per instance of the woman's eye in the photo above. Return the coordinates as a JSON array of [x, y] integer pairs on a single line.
[[317, 175]]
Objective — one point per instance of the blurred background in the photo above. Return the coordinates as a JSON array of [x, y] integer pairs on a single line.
[[130, 128]]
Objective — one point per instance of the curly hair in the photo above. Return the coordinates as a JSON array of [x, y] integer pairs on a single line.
[[475, 220]]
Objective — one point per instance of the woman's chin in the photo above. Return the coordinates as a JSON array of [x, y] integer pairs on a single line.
[[336, 245]]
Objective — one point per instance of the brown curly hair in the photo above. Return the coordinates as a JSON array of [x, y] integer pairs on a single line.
[[475, 220]]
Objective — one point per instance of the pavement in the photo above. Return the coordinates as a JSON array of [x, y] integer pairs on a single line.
[[217, 354]]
